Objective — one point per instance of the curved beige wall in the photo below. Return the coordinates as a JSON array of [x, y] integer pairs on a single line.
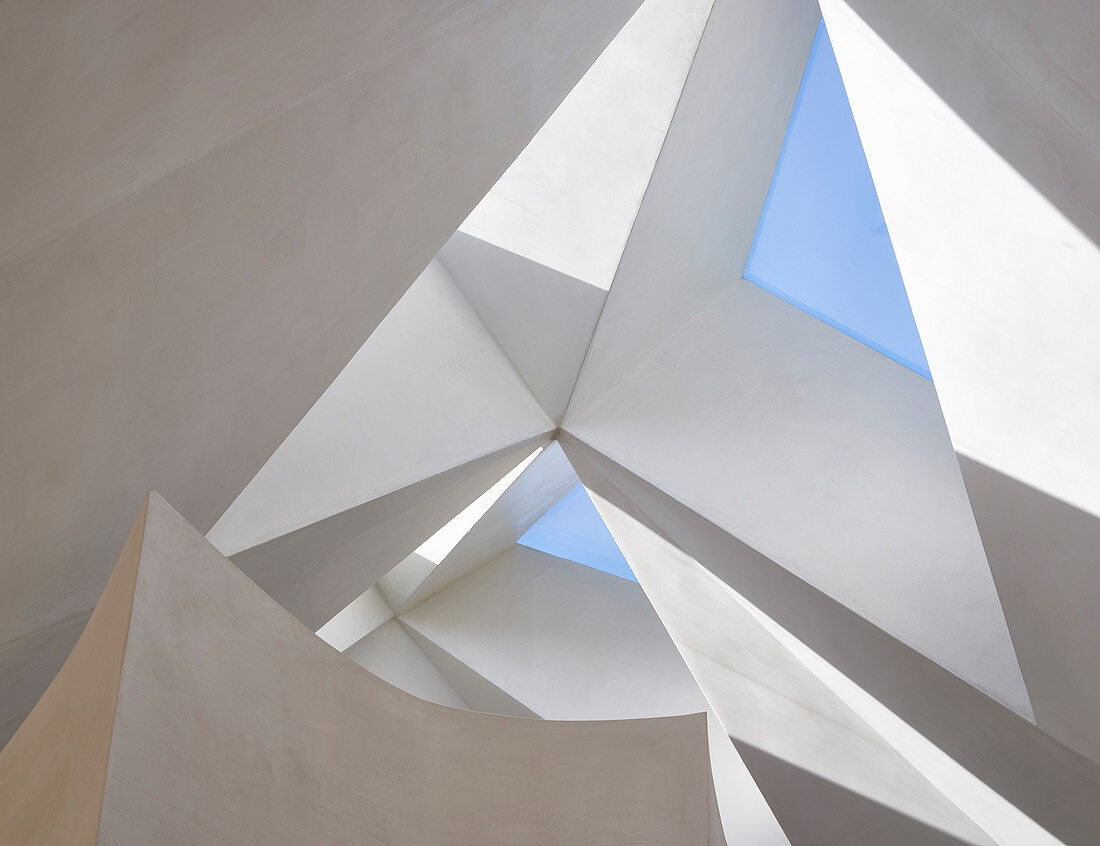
[[234, 723]]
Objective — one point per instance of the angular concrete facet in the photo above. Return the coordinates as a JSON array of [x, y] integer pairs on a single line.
[[224, 720]]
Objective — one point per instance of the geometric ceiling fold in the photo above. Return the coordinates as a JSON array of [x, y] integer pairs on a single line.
[[515, 509], [574, 530], [1043, 554], [992, 195], [828, 458], [393, 656], [479, 693], [319, 744], [315, 571], [696, 221], [765, 696], [980, 127], [569, 199], [1006, 755], [542, 319], [212, 209], [822, 243], [428, 391], [812, 809]]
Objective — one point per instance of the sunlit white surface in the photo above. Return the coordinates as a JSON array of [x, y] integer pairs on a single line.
[[1004, 288], [428, 391], [828, 458], [999, 818], [569, 200], [439, 545], [363, 615], [763, 694], [399, 585]]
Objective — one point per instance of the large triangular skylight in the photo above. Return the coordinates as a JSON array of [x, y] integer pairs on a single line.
[[822, 243]]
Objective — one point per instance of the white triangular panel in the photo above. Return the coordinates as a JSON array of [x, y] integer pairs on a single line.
[[994, 214], [569, 200], [478, 692], [391, 654], [569, 641], [543, 319], [696, 223], [764, 695], [830, 459], [548, 478], [317, 570], [575, 643], [429, 390]]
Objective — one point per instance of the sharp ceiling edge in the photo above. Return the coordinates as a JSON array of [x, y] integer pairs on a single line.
[[492, 335], [471, 686], [565, 413]]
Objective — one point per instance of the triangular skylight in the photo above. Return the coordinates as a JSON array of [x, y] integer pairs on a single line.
[[822, 243], [574, 530]]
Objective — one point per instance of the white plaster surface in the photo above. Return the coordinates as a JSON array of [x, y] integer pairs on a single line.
[[549, 478], [284, 740], [248, 234], [570, 198], [429, 390], [391, 654], [362, 616], [695, 225], [765, 696], [828, 458], [574, 643], [543, 319]]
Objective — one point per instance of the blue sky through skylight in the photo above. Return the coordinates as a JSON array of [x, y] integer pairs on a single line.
[[573, 529], [822, 243]]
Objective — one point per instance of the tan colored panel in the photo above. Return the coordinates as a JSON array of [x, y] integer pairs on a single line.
[[53, 771], [210, 715]]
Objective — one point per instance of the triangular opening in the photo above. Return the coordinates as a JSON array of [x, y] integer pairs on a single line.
[[574, 530], [822, 243]]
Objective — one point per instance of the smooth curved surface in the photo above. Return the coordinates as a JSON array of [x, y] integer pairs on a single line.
[[233, 722]]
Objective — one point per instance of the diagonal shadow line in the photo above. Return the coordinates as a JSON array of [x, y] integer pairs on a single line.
[[1053, 784]]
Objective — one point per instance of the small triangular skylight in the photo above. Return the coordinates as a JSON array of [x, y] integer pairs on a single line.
[[821, 243], [574, 530]]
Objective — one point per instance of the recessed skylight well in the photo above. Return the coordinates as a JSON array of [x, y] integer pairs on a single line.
[[822, 243]]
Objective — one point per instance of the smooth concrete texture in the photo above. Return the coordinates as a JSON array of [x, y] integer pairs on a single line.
[[317, 570], [479, 693], [393, 656], [765, 696], [991, 194], [789, 435], [696, 222], [1045, 780], [570, 198], [542, 319], [317, 750], [569, 642], [543, 483], [1024, 77], [234, 265], [154, 86], [992, 197], [806, 807], [451, 395], [1044, 556], [52, 773], [26, 666], [358, 619]]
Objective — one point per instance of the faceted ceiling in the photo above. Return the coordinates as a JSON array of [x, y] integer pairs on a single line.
[[751, 370]]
